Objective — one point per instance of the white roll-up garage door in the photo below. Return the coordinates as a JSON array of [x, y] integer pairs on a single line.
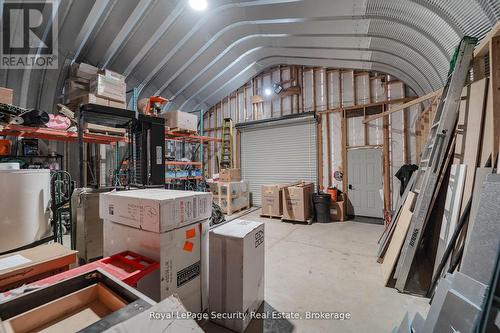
[[278, 152]]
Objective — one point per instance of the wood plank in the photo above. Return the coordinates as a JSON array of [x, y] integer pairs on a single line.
[[484, 45], [495, 85], [387, 165], [487, 135], [361, 106], [398, 238], [328, 151], [405, 105], [475, 112]]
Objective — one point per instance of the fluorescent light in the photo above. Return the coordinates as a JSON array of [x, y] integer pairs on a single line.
[[267, 92], [198, 4]]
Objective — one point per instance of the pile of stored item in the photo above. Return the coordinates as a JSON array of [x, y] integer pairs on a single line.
[[443, 239], [156, 246], [298, 202], [230, 192], [90, 85]]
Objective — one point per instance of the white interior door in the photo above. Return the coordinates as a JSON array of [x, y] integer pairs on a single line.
[[365, 181]]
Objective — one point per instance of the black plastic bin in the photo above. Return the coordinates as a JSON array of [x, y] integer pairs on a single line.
[[321, 203]]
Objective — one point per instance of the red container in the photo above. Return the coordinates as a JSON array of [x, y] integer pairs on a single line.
[[4, 147]]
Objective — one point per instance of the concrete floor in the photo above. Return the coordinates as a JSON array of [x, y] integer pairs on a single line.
[[331, 268]]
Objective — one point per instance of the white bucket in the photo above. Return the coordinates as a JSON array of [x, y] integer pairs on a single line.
[[24, 207]]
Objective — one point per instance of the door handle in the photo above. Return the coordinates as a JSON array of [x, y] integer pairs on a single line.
[[350, 186]]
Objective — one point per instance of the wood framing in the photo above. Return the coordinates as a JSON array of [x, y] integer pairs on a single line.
[[405, 105]]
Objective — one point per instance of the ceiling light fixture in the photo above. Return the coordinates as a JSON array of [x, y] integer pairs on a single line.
[[268, 92], [198, 4]]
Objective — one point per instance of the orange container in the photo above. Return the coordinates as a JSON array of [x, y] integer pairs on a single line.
[[4, 147], [333, 193]]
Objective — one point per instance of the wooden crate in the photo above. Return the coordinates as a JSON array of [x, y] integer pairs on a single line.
[[233, 196]]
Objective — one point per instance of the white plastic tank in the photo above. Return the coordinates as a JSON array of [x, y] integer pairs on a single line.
[[24, 207]]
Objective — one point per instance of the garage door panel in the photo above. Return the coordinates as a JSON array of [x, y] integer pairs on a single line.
[[278, 153]]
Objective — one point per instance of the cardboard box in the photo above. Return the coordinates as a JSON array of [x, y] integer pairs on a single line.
[[337, 211], [272, 200], [119, 105], [181, 120], [229, 175], [297, 205], [156, 210], [143, 322], [113, 75], [236, 270], [85, 99], [233, 196], [183, 257], [6, 95], [84, 71], [34, 264], [108, 87]]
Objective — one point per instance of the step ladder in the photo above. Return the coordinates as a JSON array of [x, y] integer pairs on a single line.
[[226, 153], [433, 156]]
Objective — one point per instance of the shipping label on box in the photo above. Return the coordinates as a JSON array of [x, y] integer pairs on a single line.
[[156, 210], [183, 257]]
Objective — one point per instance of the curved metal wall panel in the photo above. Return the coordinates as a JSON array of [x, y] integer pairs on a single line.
[[199, 57]]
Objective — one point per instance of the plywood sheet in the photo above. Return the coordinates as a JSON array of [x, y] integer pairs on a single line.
[[398, 238], [477, 100], [487, 141]]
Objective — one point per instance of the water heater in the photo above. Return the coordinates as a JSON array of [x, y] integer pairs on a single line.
[[24, 207]]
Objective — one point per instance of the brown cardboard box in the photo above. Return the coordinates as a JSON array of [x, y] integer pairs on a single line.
[[88, 99], [297, 204], [34, 264], [230, 175], [113, 75], [84, 71], [6, 95], [337, 211], [119, 105], [272, 200]]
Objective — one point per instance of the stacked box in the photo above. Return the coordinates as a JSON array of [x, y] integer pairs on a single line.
[[89, 85], [272, 200], [237, 271], [6, 95], [297, 205], [168, 226], [108, 87], [83, 71], [230, 175], [233, 196]]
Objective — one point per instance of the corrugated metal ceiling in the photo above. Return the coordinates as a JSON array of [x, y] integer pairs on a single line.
[[167, 48]]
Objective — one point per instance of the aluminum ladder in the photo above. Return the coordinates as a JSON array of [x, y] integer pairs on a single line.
[[433, 157]]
